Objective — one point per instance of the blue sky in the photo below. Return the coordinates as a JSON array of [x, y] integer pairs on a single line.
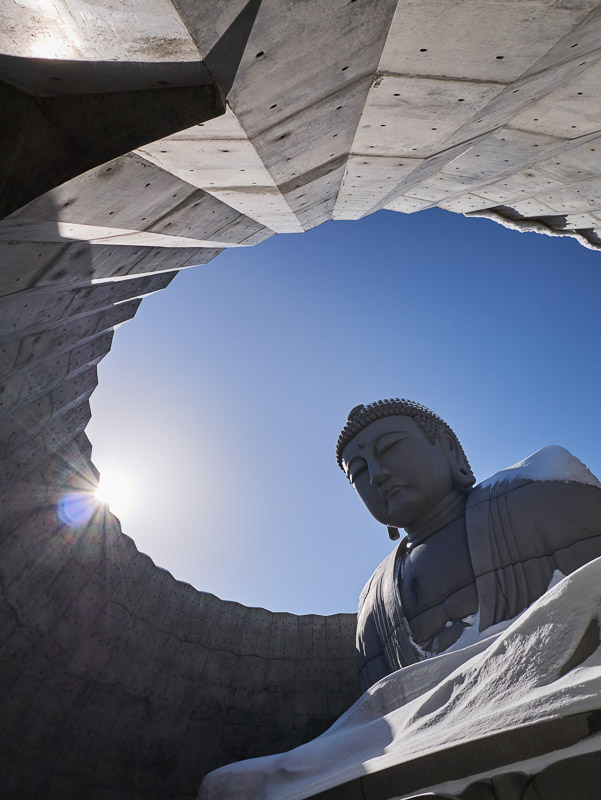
[[223, 399]]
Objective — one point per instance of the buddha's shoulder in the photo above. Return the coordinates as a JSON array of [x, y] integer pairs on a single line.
[[550, 482]]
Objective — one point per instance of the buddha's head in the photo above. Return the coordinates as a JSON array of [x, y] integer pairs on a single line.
[[403, 460]]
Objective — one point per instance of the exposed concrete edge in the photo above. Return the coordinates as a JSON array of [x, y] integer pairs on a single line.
[[338, 614]]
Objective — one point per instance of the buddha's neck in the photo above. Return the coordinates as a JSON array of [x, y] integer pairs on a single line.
[[450, 508]]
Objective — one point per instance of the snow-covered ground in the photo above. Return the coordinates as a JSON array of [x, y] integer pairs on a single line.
[[513, 678]]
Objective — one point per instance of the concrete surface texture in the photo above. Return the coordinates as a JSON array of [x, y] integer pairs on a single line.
[[143, 137]]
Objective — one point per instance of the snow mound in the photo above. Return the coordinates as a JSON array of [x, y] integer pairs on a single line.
[[552, 463], [545, 665]]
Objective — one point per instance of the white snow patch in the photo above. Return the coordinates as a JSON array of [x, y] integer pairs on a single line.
[[552, 463], [472, 634], [555, 578]]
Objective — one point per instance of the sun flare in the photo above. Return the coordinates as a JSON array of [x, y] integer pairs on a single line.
[[115, 489]]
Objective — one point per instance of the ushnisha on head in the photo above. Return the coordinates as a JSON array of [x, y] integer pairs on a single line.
[[405, 463]]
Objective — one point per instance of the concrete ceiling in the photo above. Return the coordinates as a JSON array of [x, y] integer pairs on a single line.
[[334, 111]]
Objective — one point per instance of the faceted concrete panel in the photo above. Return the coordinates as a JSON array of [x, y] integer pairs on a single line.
[[162, 209], [128, 30], [425, 170], [367, 180], [289, 86], [518, 96], [208, 156], [581, 41], [530, 208], [38, 308], [116, 122], [521, 185], [300, 150], [575, 164], [481, 166], [325, 58], [407, 205], [577, 200], [28, 264], [569, 112], [61, 372], [264, 204], [481, 40], [500, 153], [42, 231], [23, 264], [464, 204], [48, 343], [217, 156], [136, 195], [313, 201], [424, 111]]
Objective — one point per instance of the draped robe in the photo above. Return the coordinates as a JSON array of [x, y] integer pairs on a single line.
[[523, 524]]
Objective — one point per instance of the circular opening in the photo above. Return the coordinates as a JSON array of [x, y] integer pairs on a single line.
[[254, 403]]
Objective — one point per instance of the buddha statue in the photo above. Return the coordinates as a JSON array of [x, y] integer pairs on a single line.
[[478, 637], [472, 557]]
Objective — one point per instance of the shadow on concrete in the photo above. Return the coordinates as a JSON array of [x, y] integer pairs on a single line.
[[225, 56], [49, 140]]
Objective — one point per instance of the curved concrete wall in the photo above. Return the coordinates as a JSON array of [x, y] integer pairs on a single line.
[[119, 681], [116, 680]]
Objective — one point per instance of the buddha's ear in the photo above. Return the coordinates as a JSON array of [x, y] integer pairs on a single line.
[[460, 469]]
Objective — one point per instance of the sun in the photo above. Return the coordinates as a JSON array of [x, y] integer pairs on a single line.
[[115, 489]]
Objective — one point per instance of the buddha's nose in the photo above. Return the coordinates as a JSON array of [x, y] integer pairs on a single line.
[[379, 476]]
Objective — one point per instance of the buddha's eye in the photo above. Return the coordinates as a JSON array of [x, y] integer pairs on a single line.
[[389, 445]]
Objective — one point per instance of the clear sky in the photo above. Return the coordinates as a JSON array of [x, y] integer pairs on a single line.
[[223, 399]]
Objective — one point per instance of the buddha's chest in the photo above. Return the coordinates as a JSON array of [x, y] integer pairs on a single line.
[[438, 589]]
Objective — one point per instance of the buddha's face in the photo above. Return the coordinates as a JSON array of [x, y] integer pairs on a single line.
[[397, 472]]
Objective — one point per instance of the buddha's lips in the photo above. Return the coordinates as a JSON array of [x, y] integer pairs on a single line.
[[392, 490]]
